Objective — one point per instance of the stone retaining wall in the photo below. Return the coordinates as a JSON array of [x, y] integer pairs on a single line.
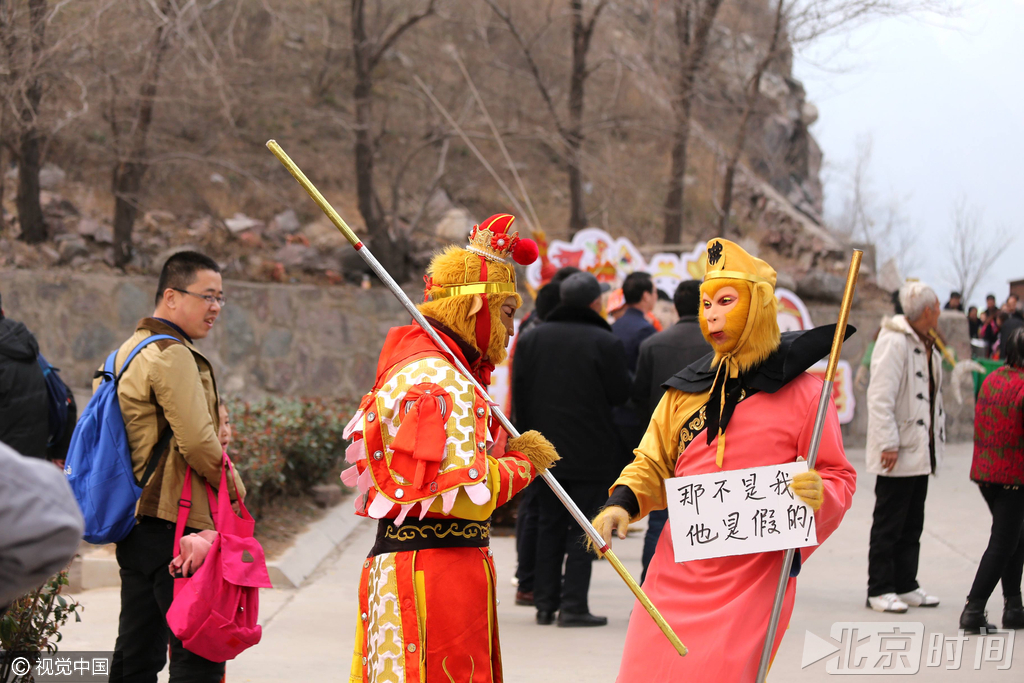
[[304, 340]]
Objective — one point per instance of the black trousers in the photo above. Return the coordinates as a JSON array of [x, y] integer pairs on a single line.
[[560, 539], [655, 524], [147, 590], [527, 516], [896, 534], [1004, 558]]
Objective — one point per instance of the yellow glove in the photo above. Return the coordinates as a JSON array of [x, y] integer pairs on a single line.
[[809, 488], [611, 519]]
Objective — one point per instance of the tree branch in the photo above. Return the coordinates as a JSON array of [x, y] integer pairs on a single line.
[[388, 40]]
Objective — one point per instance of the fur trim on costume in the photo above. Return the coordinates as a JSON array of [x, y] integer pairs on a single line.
[[755, 317], [537, 449], [456, 265]]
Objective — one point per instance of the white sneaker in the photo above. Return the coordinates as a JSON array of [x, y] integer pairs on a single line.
[[887, 602], [919, 598]]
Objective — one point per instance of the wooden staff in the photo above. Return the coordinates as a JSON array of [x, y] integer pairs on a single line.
[[383, 274], [812, 454]]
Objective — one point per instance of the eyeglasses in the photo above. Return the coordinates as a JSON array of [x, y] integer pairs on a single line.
[[208, 298]]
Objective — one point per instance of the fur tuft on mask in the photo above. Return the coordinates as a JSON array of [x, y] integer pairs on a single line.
[[754, 319], [454, 266]]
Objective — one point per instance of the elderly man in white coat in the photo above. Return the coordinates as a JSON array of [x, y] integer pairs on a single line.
[[906, 435]]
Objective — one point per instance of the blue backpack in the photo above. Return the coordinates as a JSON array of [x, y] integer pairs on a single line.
[[57, 399], [99, 462]]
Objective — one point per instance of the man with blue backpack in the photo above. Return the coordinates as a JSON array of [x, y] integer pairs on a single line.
[[167, 407]]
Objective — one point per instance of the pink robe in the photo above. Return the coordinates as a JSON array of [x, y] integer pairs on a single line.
[[720, 607]]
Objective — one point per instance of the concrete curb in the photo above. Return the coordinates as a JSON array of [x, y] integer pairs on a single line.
[[313, 545], [97, 567]]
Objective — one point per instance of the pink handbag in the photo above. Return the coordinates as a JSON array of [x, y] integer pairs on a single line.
[[214, 612]]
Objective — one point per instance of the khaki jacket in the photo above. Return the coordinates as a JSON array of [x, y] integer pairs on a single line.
[[171, 383]]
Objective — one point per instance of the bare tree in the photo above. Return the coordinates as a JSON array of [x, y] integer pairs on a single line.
[[367, 52], [752, 96], [973, 248], [693, 21], [24, 48], [570, 127], [133, 163], [881, 222], [797, 23]]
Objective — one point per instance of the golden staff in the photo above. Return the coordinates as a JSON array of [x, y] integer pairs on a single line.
[[383, 274], [943, 349], [812, 451]]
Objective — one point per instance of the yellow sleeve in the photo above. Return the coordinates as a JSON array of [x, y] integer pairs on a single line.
[[506, 476], [655, 458]]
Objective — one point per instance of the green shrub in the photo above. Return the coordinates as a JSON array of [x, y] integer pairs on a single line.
[[284, 446], [32, 623]]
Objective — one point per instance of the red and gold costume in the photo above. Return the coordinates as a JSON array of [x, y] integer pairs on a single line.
[[420, 449]]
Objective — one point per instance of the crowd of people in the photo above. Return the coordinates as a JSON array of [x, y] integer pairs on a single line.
[[614, 405], [994, 325]]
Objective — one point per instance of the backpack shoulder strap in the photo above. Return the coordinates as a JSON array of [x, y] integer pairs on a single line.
[[141, 345], [165, 438], [108, 366]]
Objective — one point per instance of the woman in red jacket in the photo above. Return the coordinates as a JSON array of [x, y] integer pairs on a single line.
[[998, 467]]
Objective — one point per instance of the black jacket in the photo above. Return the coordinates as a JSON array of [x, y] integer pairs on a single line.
[[663, 355], [568, 373], [1009, 327], [24, 407]]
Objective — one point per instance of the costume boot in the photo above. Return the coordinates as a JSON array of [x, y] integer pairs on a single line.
[[1013, 613], [974, 618]]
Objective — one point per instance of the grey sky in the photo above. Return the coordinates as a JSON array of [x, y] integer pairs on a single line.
[[944, 105]]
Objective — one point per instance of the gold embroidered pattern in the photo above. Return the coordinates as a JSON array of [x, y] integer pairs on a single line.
[[408, 532], [695, 425], [460, 446], [385, 644]]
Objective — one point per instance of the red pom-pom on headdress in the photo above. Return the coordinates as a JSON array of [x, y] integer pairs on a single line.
[[526, 251]]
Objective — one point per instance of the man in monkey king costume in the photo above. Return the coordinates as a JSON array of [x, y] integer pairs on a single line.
[[427, 609], [753, 388]]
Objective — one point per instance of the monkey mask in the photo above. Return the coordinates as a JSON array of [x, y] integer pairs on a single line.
[[751, 327], [466, 288]]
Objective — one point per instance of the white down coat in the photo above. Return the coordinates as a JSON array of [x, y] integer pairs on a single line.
[[898, 415]]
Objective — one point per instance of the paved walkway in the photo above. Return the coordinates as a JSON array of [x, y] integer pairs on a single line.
[[308, 631]]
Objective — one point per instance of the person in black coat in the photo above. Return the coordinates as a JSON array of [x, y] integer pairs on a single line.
[[661, 356], [527, 512], [568, 374], [24, 406]]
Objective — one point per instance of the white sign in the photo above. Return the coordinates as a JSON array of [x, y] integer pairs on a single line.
[[737, 512]]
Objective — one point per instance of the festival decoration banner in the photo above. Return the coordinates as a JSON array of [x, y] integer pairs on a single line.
[[738, 512], [611, 259]]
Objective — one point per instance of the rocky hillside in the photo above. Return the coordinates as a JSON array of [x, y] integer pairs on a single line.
[[283, 69]]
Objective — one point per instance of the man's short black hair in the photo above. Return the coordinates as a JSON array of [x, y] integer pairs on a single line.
[[990, 296], [1014, 350], [180, 271], [562, 273], [635, 286], [955, 295], [687, 298]]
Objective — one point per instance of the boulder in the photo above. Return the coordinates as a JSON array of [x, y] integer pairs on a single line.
[[87, 227], [104, 235], [455, 225], [300, 256], [68, 249], [287, 222], [51, 176], [820, 286], [240, 223]]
